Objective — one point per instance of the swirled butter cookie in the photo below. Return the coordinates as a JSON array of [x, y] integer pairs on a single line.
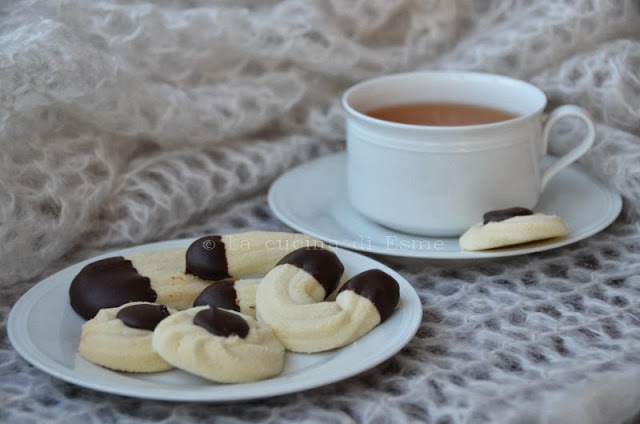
[[291, 300], [507, 227], [219, 345], [120, 338]]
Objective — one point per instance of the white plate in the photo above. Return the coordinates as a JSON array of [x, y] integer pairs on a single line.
[[312, 199], [45, 330]]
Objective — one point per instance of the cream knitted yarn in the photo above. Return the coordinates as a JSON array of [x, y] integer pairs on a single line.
[[123, 123]]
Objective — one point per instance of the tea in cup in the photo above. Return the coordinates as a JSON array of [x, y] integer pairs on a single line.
[[429, 153]]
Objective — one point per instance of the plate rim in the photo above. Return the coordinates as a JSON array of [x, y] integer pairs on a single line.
[[29, 351], [614, 207]]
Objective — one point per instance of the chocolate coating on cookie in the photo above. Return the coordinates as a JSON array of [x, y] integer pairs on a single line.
[[377, 286], [221, 323], [143, 316], [322, 264], [108, 283], [207, 258], [502, 214], [221, 295]]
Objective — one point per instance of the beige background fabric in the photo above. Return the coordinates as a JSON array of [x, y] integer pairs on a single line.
[[123, 123]]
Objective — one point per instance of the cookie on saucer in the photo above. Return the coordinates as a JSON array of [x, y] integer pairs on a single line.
[[512, 226]]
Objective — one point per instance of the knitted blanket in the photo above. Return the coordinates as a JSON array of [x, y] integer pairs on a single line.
[[123, 123]]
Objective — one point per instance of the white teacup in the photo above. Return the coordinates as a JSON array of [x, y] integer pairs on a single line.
[[439, 180]]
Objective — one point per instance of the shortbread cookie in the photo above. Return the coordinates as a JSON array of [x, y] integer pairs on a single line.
[[219, 345], [239, 296], [176, 276], [507, 227], [244, 254], [290, 299], [108, 283], [148, 276], [120, 338], [166, 271]]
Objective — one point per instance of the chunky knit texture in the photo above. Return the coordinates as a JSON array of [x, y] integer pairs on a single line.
[[127, 123]]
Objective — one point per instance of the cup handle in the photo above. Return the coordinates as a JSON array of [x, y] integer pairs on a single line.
[[576, 152]]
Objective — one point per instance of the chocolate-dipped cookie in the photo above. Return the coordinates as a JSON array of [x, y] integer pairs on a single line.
[[147, 276], [220, 345], [120, 338], [176, 276], [291, 300], [108, 283], [241, 255], [512, 226]]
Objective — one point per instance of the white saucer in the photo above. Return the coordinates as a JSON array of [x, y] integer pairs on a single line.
[[312, 199], [45, 331]]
